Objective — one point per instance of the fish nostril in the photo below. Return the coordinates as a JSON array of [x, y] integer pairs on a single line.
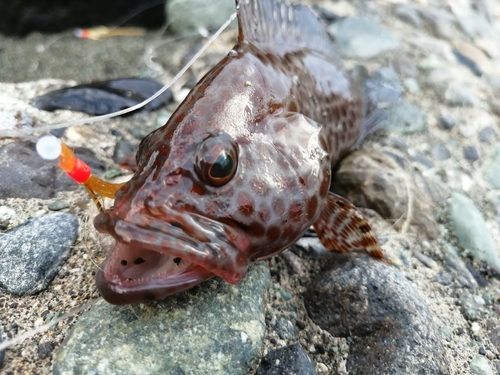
[[139, 260], [123, 262], [177, 260]]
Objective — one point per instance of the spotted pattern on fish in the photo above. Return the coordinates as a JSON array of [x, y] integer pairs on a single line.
[[243, 167]]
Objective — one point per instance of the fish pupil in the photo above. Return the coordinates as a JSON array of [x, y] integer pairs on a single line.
[[223, 166]]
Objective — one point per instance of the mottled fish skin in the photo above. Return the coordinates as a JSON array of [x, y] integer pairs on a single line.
[[278, 103]]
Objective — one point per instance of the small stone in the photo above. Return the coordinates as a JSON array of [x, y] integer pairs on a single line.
[[188, 16], [440, 152], [33, 252], [486, 134], [362, 39], [285, 329], [482, 351], [45, 350], [459, 94], [383, 88], [291, 359], [440, 22], [57, 205], [471, 306], [300, 324], [2, 353], [309, 248], [420, 158], [493, 328], [409, 14], [124, 153], [471, 153], [411, 85], [285, 295], [447, 332], [475, 327], [6, 215], [491, 168], [444, 278], [480, 366], [456, 267], [447, 122], [405, 119], [322, 368], [470, 228], [497, 366]]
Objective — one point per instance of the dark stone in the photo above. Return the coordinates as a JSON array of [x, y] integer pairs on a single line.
[[45, 350], [447, 122], [27, 175], [300, 324], [33, 252], [124, 154], [285, 329], [324, 14], [309, 248], [486, 134], [290, 360], [440, 152], [444, 278], [2, 353], [20, 17], [469, 63], [470, 153], [376, 306], [482, 351], [493, 328]]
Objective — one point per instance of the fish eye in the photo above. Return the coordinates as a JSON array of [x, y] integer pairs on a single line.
[[216, 160]]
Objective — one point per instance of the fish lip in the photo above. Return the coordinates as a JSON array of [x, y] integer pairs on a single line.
[[205, 255]]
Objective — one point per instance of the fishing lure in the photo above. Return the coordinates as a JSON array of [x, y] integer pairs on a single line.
[[242, 168]]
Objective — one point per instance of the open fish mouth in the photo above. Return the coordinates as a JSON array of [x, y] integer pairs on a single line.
[[154, 258]]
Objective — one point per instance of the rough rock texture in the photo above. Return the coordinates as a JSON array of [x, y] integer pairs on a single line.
[[215, 328], [290, 360], [373, 304], [33, 252]]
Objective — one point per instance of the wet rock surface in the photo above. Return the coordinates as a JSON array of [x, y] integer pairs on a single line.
[[215, 328], [377, 308], [291, 360]]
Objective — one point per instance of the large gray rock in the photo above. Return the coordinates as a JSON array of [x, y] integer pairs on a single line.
[[215, 328], [472, 233], [32, 252], [390, 328]]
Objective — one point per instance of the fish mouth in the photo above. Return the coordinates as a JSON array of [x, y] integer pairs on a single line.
[[157, 257]]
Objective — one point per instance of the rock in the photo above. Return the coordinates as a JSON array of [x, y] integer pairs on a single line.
[[440, 22], [215, 328], [362, 39], [371, 179], [470, 228], [45, 350], [383, 88], [447, 122], [20, 17], [309, 248], [471, 306], [411, 85], [285, 329], [57, 205], [493, 328], [124, 153], [33, 252], [405, 119], [186, 17], [486, 134], [440, 152], [470, 153], [457, 268], [388, 325], [420, 158], [39, 178], [459, 94], [6, 216], [491, 168], [2, 353], [443, 278], [290, 360], [409, 14], [480, 366]]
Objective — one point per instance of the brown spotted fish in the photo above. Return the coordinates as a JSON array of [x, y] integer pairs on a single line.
[[242, 168]]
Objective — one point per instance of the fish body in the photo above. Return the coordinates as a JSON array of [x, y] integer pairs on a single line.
[[242, 168]]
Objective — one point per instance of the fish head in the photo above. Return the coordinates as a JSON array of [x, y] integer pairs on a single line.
[[224, 182]]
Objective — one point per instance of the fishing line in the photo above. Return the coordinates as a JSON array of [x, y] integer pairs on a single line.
[[47, 128]]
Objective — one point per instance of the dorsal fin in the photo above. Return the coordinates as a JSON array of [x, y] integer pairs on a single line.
[[268, 23]]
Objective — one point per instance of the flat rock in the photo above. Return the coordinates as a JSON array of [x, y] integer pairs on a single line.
[[470, 228], [215, 328], [491, 168], [480, 366], [33, 252], [290, 360], [21, 166], [405, 118], [362, 39], [372, 303]]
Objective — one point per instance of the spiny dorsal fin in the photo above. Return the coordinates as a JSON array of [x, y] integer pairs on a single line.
[[341, 227], [268, 24]]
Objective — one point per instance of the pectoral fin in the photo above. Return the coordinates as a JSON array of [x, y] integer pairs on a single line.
[[341, 227]]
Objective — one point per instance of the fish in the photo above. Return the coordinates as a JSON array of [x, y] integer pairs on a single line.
[[242, 169]]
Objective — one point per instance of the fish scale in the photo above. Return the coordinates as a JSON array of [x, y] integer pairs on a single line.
[[242, 168]]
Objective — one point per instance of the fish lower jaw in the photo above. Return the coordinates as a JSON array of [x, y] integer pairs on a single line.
[[131, 275]]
